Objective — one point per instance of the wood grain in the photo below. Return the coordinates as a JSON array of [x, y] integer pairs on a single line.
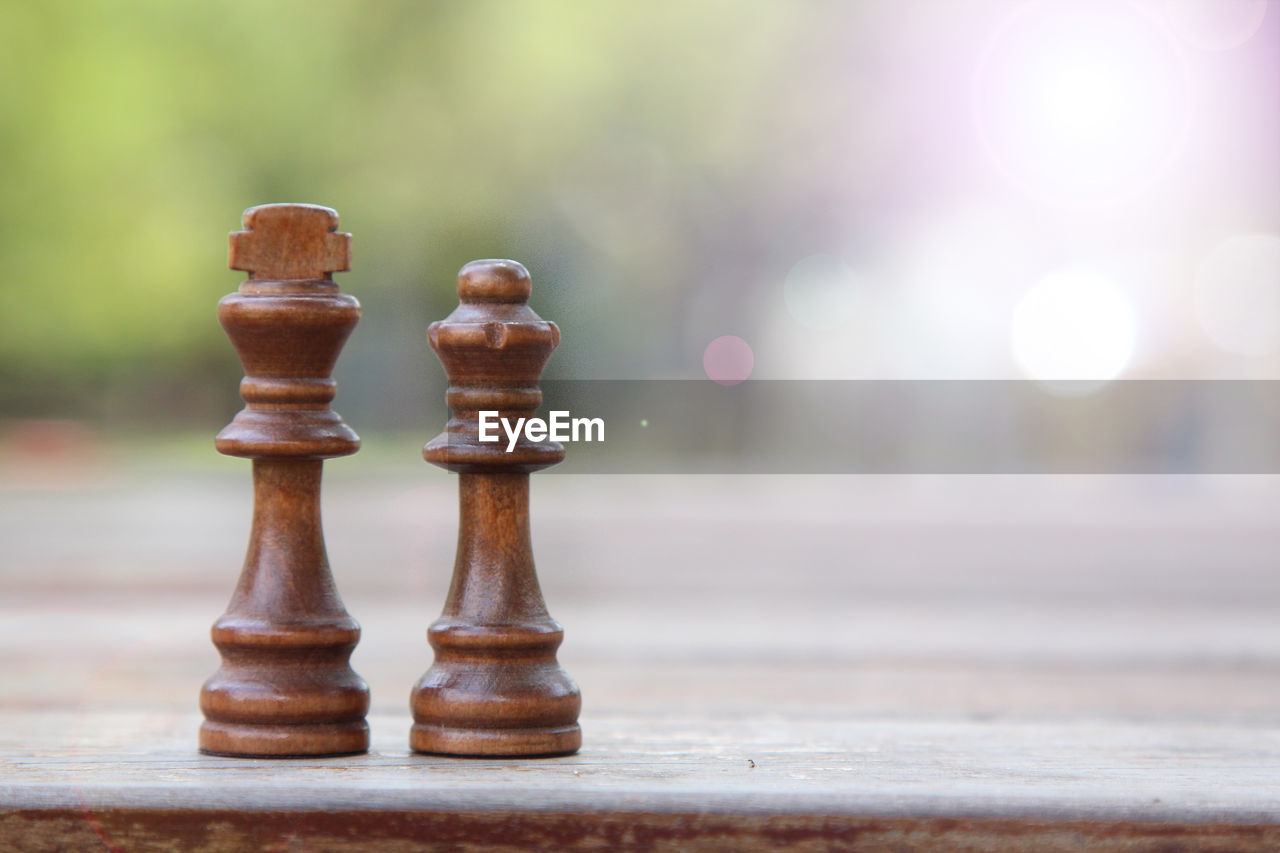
[[495, 686], [1023, 664], [285, 686], [648, 776]]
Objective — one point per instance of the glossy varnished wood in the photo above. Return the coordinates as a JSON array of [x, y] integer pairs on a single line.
[[285, 687], [495, 688]]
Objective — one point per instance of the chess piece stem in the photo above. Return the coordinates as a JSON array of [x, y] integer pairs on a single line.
[[495, 687], [285, 687]]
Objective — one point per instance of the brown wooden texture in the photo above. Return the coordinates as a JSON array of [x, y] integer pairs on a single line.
[[231, 831], [660, 782], [285, 687], [911, 664], [495, 687]]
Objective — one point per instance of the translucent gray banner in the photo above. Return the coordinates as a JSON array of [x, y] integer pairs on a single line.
[[921, 427]]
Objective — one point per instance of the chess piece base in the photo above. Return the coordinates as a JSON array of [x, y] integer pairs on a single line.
[[525, 706], [245, 740], [496, 743]]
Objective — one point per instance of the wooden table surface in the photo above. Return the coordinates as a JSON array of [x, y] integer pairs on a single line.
[[801, 663]]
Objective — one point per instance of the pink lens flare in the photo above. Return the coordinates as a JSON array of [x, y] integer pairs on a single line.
[[1215, 24], [728, 360]]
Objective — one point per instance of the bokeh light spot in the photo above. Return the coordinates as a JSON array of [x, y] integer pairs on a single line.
[[1081, 102], [1237, 294], [1073, 326], [820, 292], [728, 360]]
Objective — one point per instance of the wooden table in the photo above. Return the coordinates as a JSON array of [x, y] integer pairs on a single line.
[[881, 664]]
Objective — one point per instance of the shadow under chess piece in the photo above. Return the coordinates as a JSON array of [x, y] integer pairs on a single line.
[[285, 687], [495, 688]]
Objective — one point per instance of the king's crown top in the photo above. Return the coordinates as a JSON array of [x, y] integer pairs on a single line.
[[283, 242]]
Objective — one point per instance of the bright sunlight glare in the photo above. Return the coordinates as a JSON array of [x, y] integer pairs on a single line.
[[1073, 325], [1081, 102]]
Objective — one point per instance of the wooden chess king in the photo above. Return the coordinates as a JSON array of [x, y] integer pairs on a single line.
[[285, 686], [495, 687]]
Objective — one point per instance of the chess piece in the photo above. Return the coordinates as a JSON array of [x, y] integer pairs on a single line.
[[495, 687], [285, 687]]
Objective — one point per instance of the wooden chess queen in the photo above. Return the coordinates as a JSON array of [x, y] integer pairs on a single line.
[[495, 687], [285, 687]]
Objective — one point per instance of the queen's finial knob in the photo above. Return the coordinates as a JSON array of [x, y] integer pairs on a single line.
[[494, 281]]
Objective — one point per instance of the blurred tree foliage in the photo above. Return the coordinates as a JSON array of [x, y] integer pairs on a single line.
[[647, 161]]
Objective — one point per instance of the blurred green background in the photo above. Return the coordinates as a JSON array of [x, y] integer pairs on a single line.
[[662, 168], [608, 147]]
